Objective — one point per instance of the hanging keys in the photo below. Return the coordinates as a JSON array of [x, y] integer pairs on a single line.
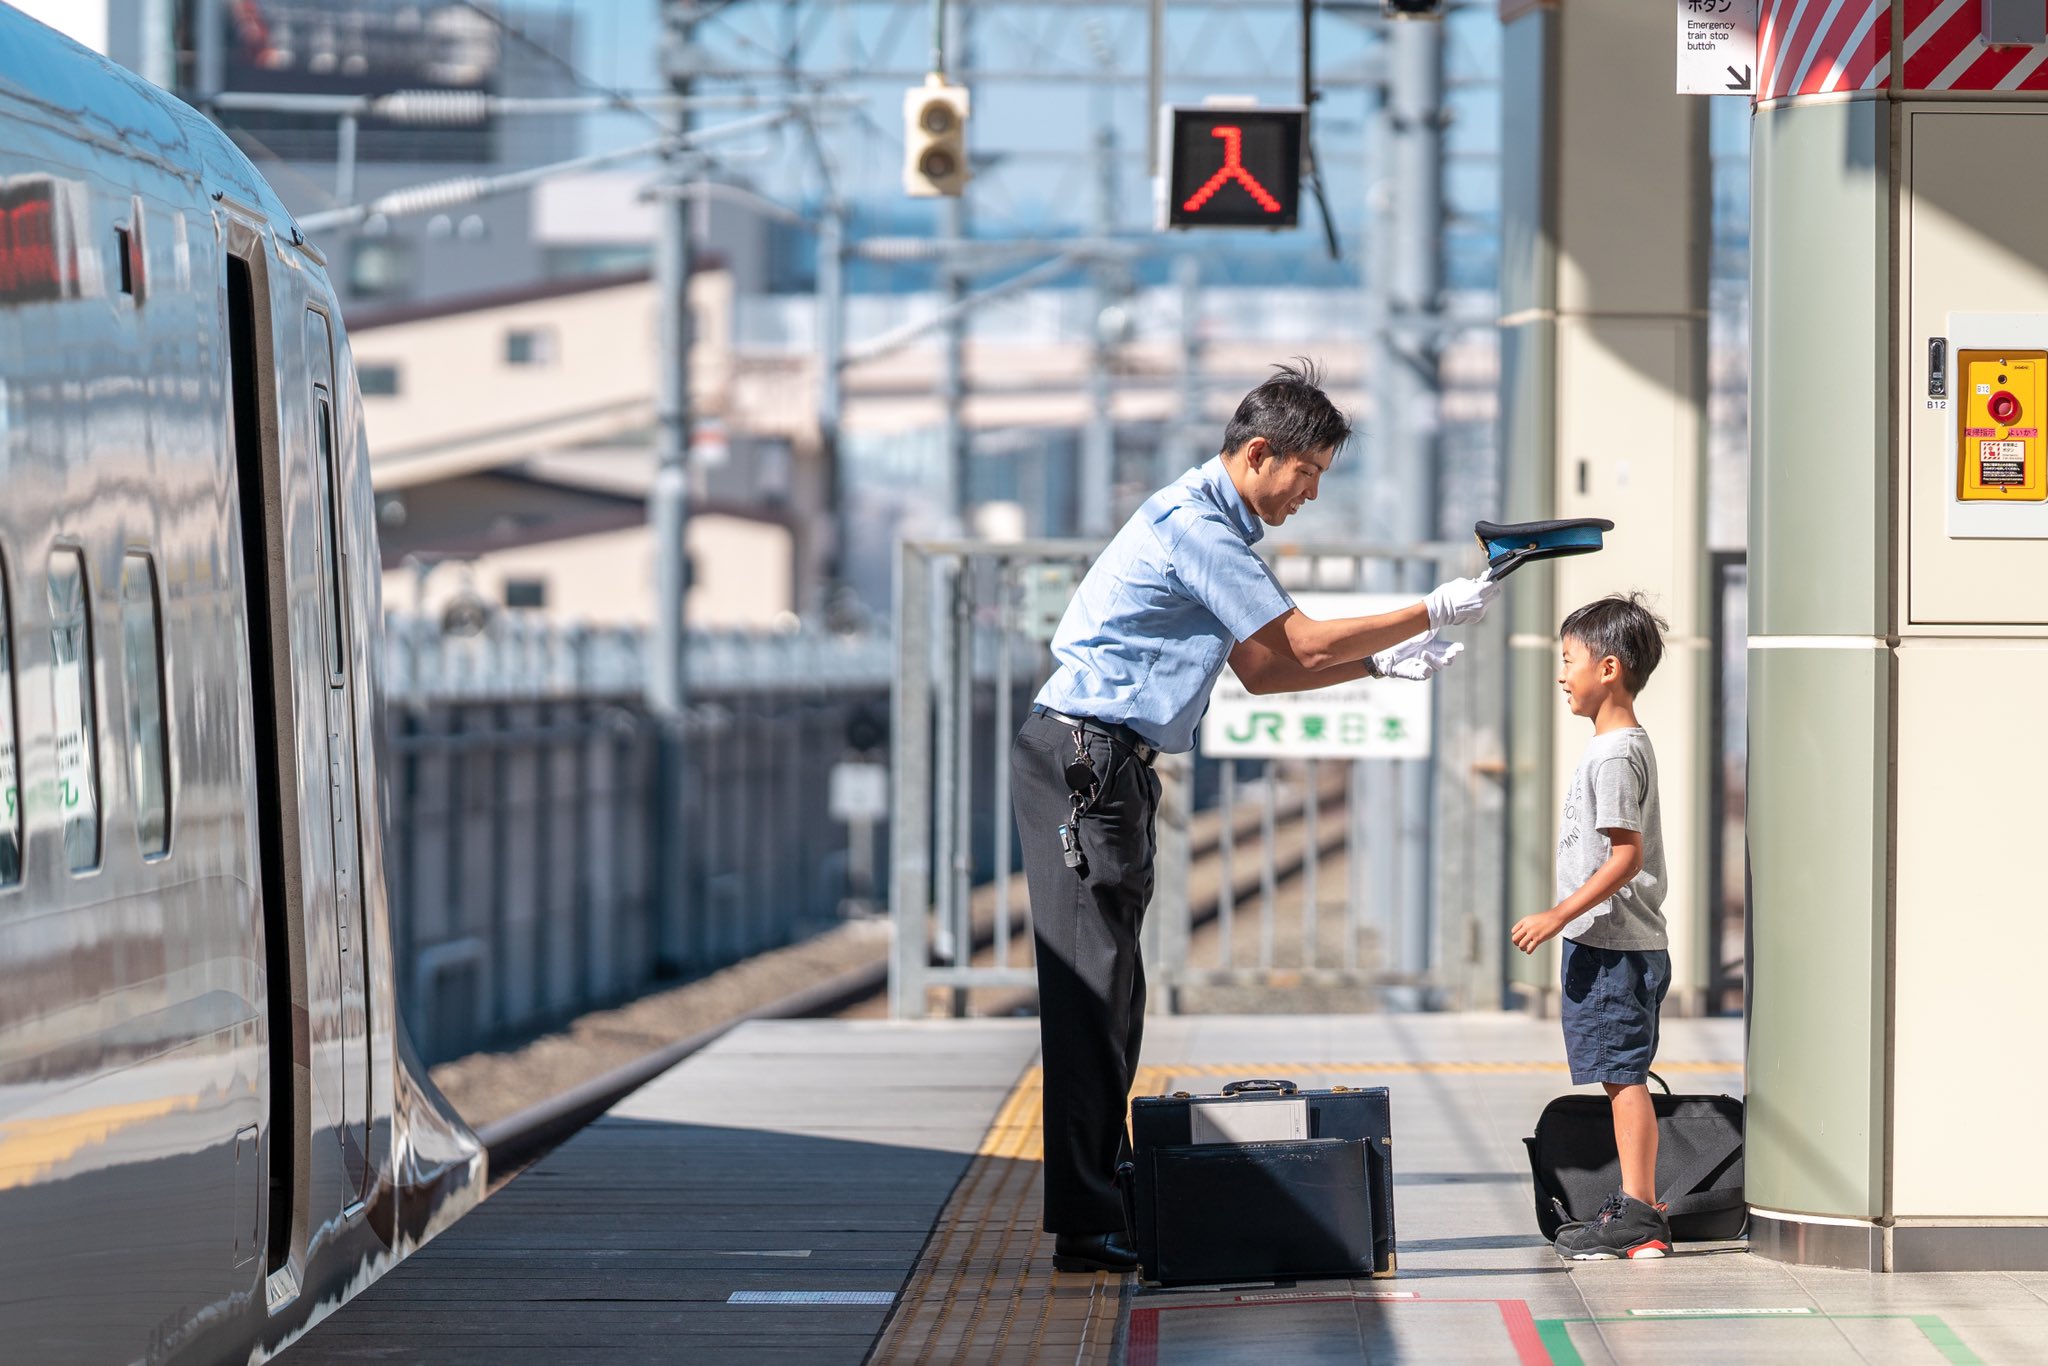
[[1080, 771], [1070, 848]]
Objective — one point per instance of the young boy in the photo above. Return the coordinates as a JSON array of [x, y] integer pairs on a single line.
[[1610, 887]]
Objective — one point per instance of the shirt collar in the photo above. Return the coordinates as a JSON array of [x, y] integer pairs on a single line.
[[1214, 480]]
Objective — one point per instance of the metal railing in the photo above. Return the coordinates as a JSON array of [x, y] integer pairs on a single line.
[[523, 826], [1422, 839]]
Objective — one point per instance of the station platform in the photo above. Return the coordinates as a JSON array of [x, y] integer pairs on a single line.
[[843, 1191]]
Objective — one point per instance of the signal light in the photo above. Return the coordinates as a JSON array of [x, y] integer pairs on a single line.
[[1226, 167], [935, 139]]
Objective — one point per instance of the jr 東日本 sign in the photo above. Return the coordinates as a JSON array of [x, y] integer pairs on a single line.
[[1371, 718]]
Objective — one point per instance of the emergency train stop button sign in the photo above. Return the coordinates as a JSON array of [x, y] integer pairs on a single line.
[[1716, 47]]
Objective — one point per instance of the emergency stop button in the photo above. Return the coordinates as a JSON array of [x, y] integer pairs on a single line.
[[2004, 408]]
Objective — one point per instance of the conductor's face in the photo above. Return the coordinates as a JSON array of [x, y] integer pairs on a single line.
[[1274, 486]]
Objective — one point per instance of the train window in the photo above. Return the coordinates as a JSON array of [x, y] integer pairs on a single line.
[[10, 795], [323, 432], [148, 728], [71, 691]]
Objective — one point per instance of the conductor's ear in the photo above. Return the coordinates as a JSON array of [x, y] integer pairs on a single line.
[[1257, 451]]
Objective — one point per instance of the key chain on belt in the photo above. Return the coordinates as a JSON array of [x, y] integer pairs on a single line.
[[1084, 788]]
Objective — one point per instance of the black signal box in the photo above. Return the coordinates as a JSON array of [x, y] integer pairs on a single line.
[[1230, 168]]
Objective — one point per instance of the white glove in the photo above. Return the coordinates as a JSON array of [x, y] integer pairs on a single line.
[[1459, 601], [1417, 658]]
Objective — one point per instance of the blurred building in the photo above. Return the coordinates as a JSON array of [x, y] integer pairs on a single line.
[[512, 453]]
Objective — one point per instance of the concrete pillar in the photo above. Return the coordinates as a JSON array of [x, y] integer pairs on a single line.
[[1605, 232], [1896, 904]]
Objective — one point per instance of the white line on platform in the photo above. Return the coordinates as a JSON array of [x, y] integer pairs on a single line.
[[1330, 1295], [811, 1297], [786, 1252], [1712, 1313]]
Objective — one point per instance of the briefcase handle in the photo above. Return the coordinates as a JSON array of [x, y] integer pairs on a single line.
[[1285, 1088]]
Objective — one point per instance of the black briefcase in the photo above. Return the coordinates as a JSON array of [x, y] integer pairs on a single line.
[[1699, 1163], [1204, 1208]]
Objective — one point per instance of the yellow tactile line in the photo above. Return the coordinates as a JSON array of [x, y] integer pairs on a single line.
[[984, 1290]]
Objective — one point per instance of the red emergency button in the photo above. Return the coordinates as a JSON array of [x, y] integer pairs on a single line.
[[2004, 408]]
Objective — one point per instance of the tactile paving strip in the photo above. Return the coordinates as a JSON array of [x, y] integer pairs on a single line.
[[985, 1290]]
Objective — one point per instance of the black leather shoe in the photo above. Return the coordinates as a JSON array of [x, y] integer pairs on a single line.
[[1110, 1252]]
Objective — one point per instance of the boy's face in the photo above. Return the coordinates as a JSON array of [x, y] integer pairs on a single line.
[[1585, 678]]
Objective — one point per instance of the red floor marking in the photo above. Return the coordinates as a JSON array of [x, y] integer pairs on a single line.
[[1522, 1332], [1141, 1344]]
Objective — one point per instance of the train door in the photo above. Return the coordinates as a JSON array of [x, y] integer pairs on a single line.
[[252, 375], [348, 930]]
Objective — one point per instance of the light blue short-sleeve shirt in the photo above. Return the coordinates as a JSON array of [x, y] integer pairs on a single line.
[[1154, 621]]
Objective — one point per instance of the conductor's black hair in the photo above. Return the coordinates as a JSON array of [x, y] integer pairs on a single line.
[[1624, 627], [1291, 411]]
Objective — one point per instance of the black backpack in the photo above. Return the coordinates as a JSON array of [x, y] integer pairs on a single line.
[[1699, 1163]]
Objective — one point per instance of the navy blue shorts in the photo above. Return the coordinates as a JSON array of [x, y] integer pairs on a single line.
[[1611, 1000]]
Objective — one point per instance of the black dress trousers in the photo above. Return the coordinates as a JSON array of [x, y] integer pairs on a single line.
[[1091, 980]]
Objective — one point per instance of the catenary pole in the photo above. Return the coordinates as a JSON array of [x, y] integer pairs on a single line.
[[668, 509]]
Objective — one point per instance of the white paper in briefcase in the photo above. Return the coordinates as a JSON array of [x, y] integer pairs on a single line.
[[1240, 1121]]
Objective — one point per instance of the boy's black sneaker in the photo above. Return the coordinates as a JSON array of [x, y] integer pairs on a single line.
[[1624, 1227]]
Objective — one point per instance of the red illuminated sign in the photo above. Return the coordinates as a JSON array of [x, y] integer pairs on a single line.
[[1231, 168], [37, 261]]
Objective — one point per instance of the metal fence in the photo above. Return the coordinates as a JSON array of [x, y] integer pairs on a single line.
[[523, 829], [1412, 913]]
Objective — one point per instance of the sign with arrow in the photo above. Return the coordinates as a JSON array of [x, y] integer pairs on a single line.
[[1717, 47]]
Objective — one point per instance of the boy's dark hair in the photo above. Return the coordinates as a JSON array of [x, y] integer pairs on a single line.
[[1291, 411], [1625, 628]]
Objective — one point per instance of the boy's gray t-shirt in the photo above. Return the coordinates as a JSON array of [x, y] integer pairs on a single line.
[[1615, 787]]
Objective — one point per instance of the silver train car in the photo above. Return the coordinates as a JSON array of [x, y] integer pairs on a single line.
[[211, 1130]]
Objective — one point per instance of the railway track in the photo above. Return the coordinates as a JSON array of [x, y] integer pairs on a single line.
[[545, 1114]]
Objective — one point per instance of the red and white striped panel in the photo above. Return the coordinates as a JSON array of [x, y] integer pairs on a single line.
[[1945, 51], [1823, 47]]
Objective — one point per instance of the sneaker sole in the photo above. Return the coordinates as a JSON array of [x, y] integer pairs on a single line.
[[1640, 1250]]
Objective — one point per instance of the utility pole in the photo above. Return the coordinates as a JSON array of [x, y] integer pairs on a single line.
[[1098, 438], [1403, 489], [831, 382], [668, 509], [951, 63]]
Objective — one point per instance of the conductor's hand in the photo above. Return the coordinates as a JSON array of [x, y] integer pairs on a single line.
[[1416, 659], [1459, 601]]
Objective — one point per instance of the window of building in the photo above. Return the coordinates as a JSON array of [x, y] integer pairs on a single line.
[[142, 658], [526, 593], [377, 379], [71, 694], [380, 267], [530, 346], [10, 789]]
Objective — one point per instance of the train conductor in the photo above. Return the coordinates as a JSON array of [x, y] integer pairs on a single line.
[[1174, 597]]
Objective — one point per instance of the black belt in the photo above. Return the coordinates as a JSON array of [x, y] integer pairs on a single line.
[[1137, 744]]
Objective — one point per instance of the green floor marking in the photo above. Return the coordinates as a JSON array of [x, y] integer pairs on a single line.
[[1945, 1340], [1557, 1340], [1556, 1337]]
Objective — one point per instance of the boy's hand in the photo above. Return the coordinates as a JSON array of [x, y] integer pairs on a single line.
[[1531, 932]]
